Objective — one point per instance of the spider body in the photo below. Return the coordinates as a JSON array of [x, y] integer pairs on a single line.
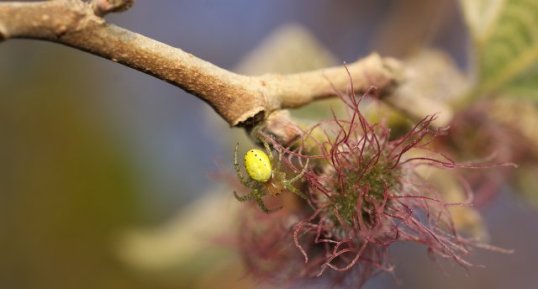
[[263, 177], [258, 165]]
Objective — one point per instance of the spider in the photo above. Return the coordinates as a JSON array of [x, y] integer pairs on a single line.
[[263, 178]]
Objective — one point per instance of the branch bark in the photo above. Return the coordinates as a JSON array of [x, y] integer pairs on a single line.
[[237, 98]]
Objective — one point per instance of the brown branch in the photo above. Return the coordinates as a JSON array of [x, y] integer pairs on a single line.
[[237, 98]]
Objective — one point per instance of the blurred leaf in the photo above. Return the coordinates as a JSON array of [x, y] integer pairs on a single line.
[[526, 183], [432, 79], [480, 15], [506, 44], [519, 115], [290, 48], [525, 85], [195, 247], [185, 238]]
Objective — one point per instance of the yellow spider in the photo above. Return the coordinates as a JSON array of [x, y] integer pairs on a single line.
[[263, 178]]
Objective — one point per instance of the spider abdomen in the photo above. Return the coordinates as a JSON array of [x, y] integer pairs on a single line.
[[258, 165]]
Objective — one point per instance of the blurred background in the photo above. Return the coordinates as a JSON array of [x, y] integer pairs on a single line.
[[101, 165]]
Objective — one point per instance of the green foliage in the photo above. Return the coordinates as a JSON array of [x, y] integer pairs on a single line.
[[525, 85], [505, 37]]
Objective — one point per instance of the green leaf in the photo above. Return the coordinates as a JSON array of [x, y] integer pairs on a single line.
[[525, 85], [505, 37]]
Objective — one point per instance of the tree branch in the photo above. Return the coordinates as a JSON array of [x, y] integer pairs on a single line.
[[237, 98]]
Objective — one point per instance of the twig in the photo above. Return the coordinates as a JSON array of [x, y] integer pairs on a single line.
[[237, 98]]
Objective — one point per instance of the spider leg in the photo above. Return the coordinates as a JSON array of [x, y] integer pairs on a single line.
[[288, 183], [244, 181], [294, 190], [268, 149], [263, 207], [244, 198], [301, 174]]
